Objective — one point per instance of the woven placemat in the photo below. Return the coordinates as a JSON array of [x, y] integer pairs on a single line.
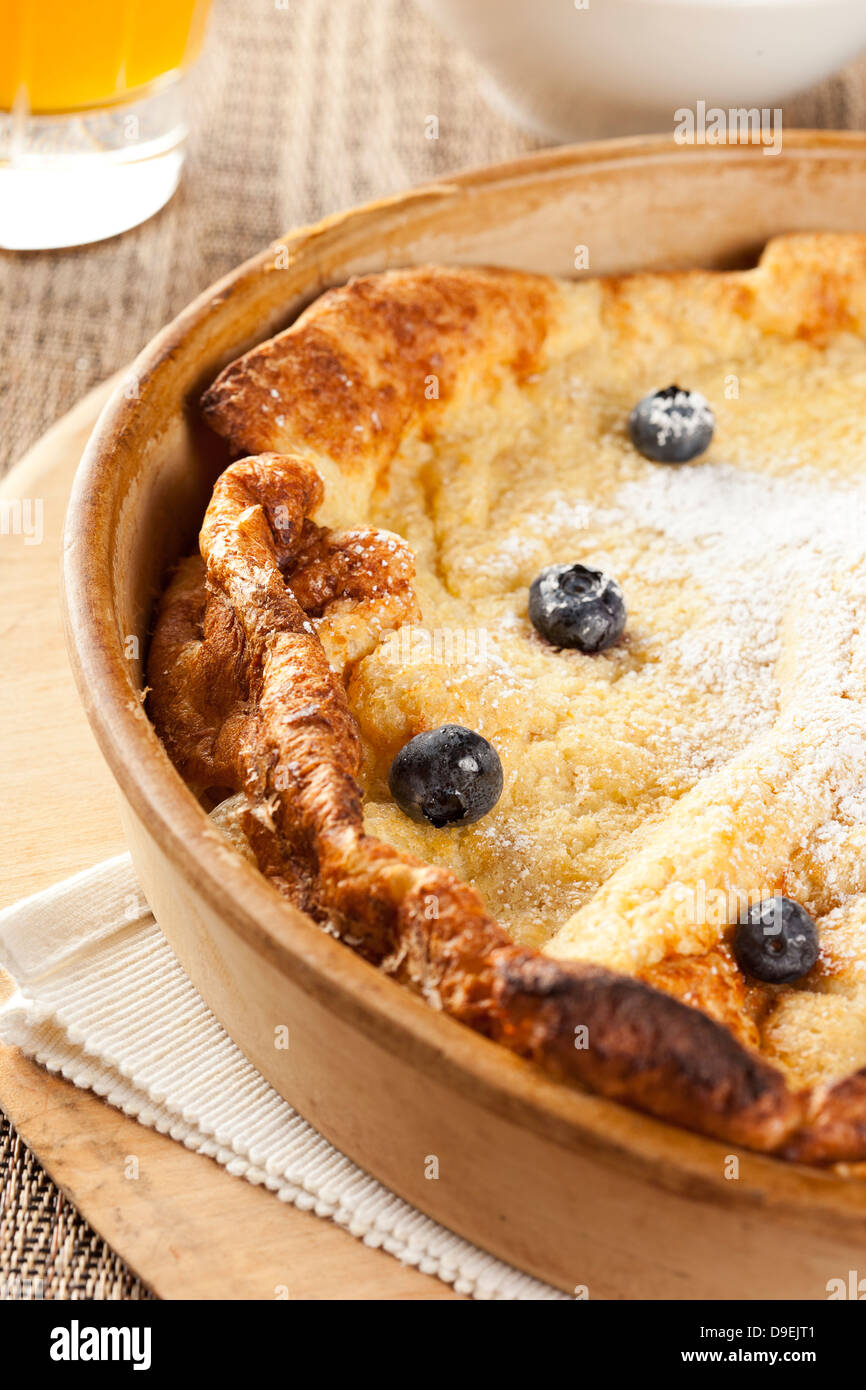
[[299, 110], [46, 1249]]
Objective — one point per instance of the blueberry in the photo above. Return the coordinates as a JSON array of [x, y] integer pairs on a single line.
[[446, 776], [671, 426], [573, 606], [776, 941]]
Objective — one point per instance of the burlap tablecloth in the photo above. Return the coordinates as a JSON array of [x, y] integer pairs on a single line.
[[298, 111]]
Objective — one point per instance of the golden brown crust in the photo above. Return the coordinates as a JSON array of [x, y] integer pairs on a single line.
[[366, 359], [710, 982], [244, 695], [835, 1131]]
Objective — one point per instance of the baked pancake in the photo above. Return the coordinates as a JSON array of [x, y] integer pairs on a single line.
[[418, 449]]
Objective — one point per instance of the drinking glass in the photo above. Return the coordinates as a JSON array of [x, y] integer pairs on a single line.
[[92, 121]]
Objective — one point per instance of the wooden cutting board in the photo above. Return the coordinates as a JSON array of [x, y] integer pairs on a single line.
[[186, 1227]]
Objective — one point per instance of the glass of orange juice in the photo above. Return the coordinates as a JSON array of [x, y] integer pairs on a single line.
[[92, 123]]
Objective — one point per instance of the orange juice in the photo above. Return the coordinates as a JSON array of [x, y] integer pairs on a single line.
[[66, 55]]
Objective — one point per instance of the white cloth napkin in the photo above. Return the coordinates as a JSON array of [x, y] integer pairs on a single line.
[[101, 999]]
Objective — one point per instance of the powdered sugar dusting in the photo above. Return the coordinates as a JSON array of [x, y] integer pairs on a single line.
[[741, 526], [765, 551], [675, 414], [561, 516]]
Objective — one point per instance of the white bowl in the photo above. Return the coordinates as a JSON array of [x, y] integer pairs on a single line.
[[580, 69]]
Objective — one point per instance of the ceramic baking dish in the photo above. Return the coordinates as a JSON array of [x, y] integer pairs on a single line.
[[569, 1187]]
